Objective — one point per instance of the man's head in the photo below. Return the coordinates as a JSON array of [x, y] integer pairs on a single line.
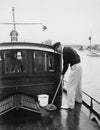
[[57, 47]]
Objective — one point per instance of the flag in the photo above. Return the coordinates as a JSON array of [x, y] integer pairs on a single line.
[[44, 28]]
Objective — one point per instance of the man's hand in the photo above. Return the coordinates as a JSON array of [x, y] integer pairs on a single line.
[[62, 77]]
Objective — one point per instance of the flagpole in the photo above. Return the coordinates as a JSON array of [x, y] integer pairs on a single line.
[[13, 13]]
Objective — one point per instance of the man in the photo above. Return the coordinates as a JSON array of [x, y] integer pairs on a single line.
[[72, 59]]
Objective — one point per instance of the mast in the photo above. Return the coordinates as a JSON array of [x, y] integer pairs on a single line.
[[14, 34], [13, 14], [90, 37]]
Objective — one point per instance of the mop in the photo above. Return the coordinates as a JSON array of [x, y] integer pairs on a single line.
[[51, 107]]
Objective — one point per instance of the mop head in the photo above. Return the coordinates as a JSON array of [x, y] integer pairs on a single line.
[[51, 107]]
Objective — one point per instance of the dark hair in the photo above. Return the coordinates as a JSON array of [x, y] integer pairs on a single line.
[[56, 45]]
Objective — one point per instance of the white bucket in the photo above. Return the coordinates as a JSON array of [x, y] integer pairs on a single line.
[[43, 100]]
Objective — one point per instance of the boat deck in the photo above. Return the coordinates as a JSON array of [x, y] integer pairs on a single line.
[[76, 119]]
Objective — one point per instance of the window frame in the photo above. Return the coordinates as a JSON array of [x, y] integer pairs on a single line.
[[24, 51], [46, 57]]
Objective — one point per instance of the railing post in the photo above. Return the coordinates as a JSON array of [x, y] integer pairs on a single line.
[[91, 105]]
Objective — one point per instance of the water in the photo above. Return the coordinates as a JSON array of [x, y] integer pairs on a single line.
[[91, 75]]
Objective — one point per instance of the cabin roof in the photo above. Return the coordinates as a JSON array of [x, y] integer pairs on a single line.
[[26, 45]]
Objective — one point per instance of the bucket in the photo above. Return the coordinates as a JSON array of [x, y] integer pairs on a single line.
[[43, 100]]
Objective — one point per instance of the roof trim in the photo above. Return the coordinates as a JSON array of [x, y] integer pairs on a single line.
[[26, 47]]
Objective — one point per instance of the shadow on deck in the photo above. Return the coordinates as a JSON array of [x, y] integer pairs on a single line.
[[60, 119]]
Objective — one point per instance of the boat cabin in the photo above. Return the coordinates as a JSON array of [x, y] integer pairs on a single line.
[[27, 70]]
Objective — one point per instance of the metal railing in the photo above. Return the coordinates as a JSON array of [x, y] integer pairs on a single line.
[[92, 99], [91, 106]]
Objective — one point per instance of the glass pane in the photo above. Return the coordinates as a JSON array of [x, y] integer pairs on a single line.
[[15, 61], [50, 62], [39, 61], [0, 56]]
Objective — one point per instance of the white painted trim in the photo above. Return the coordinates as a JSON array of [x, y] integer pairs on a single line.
[[26, 47]]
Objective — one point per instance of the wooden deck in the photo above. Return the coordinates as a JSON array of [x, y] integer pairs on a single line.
[[60, 119]]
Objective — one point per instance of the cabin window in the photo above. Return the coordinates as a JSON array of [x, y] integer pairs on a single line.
[[43, 61], [14, 61], [40, 64], [0, 56], [50, 62]]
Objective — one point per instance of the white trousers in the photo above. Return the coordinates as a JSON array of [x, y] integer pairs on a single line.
[[74, 85]]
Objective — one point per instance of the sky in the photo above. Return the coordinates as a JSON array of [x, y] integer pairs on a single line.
[[68, 21]]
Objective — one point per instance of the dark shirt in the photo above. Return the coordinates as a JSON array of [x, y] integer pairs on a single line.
[[70, 57]]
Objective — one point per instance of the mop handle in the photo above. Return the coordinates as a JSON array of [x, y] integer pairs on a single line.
[[56, 91]]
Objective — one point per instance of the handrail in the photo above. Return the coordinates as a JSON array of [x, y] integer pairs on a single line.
[[91, 97], [91, 105]]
